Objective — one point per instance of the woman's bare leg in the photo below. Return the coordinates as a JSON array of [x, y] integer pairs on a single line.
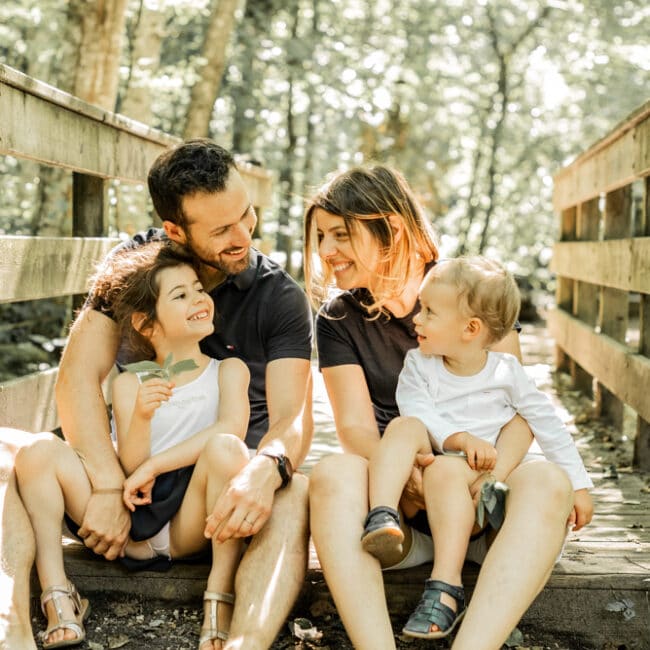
[[338, 506], [17, 549], [522, 556]]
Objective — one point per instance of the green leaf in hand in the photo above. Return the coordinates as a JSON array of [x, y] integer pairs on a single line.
[[151, 370]]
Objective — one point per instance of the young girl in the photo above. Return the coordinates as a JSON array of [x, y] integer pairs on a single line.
[[463, 394], [179, 441]]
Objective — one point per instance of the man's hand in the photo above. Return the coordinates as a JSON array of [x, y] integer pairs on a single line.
[[106, 525], [583, 509], [245, 502]]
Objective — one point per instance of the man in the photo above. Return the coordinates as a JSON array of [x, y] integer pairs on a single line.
[[263, 318]]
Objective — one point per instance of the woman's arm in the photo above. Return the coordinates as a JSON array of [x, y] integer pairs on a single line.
[[509, 344], [353, 413]]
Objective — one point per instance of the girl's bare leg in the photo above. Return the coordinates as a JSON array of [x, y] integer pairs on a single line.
[[338, 506], [522, 556], [222, 458], [16, 550], [52, 480]]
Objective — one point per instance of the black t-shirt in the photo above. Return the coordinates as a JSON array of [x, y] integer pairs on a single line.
[[345, 335], [261, 315]]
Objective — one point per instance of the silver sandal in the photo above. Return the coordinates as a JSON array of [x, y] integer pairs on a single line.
[[81, 608], [213, 632]]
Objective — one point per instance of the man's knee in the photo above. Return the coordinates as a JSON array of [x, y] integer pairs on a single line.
[[336, 473]]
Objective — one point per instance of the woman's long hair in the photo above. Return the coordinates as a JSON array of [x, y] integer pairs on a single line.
[[365, 197]]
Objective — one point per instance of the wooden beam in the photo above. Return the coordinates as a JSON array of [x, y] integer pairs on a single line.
[[45, 267], [42, 123], [617, 160], [623, 372], [616, 263], [28, 403]]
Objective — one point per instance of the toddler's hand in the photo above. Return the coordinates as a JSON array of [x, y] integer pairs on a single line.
[[583, 509], [481, 455], [151, 394]]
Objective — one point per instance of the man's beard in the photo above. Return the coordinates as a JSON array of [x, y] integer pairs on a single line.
[[226, 267]]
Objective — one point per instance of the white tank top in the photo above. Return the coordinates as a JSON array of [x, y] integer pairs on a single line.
[[191, 408]]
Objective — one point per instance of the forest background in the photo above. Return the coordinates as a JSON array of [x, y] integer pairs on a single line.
[[477, 102]]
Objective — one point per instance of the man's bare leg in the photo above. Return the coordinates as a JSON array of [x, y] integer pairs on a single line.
[[272, 571], [17, 549]]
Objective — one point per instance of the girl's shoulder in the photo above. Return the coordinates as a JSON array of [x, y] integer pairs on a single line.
[[232, 367]]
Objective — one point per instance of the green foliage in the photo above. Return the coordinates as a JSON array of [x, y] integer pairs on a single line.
[[151, 370]]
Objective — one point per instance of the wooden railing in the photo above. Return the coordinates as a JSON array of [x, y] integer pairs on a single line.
[[43, 124], [602, 321]]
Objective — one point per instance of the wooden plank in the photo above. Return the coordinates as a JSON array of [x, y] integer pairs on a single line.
[[45, 124], [44, 267], [564, 289], [624, 373], [614, 303], [28, 403], [617, 160], [617, 263]]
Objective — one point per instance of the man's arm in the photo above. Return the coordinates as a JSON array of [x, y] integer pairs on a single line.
[[249, 496], [87, 359]]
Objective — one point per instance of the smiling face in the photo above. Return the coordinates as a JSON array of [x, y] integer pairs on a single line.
[[218, 226], [352, 257], [440, 323], [184, 311]]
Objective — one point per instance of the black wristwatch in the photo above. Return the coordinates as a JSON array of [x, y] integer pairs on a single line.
[[285, 468]]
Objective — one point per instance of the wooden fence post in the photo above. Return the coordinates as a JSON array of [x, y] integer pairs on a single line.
[[585, 294], [564, 290], [614, 303], [642, 439]]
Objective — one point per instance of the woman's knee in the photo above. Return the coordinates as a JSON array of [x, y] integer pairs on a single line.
[[443, 470], [543, 483], [336, 474]]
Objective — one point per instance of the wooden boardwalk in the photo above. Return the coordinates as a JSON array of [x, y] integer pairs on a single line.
[[599, 592]]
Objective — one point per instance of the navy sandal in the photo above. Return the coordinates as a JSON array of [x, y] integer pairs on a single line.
[[382, 536], [430, 611]]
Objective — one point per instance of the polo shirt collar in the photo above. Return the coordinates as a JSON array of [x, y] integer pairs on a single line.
[[245, 279]]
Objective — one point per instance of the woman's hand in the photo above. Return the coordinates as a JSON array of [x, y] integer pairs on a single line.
[[151, 394], [138, 487], [412, 498], [583, 509]]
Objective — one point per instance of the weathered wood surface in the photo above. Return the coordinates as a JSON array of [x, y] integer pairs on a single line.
[[623, 372], [46, 267], [614, 161], [45, 124], [617, 263]]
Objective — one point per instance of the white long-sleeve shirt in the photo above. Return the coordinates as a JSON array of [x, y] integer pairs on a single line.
[[482, 404]]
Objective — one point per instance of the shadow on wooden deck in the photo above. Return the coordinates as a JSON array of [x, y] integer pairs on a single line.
[[599, 593]]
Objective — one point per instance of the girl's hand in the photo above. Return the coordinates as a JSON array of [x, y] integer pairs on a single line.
[[481, 455], [583, 510], [151, 394], [138, 487]]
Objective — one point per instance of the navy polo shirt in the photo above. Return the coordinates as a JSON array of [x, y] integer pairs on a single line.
[[261, 315]]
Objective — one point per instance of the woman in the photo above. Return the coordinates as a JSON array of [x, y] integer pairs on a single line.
[[374, 242]]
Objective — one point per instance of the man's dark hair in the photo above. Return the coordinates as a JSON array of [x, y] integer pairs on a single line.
[[198, 165]]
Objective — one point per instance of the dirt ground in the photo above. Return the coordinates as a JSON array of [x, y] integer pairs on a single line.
[[133, 622]]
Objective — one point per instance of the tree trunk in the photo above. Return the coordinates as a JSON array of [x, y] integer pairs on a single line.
[[210, 72], [102, 28]]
